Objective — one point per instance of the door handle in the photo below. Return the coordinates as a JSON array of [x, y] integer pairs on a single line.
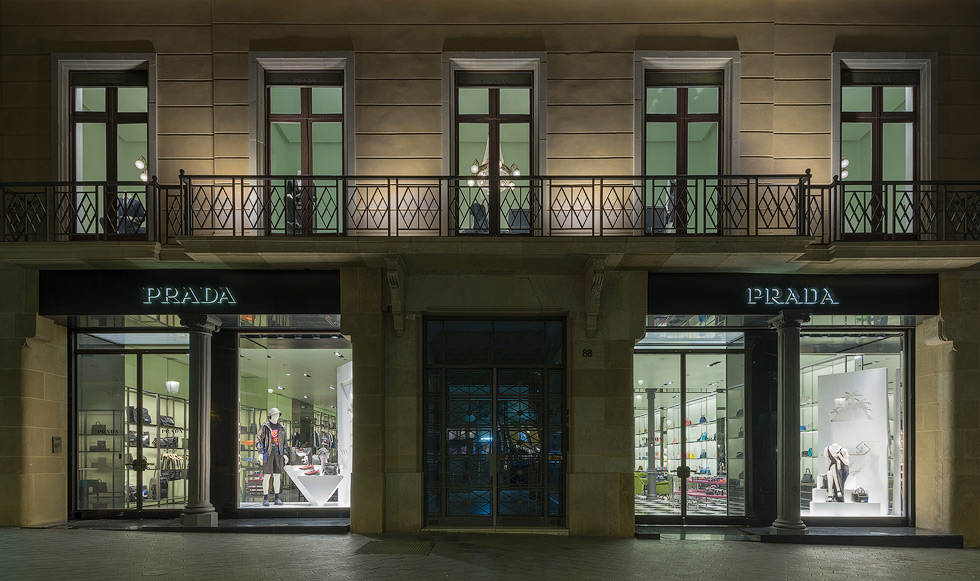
[[683, 471]]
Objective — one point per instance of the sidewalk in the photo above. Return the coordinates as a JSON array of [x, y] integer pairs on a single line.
[[28, 554]]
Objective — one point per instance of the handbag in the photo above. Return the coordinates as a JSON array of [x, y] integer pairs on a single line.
[[166, 442], [167, 421], [703, 420], [132, 437], [330, 470], [687, 422], [98, 428], [146, 416], [807, 477], [859, 495], [132, 416], [146, 438]]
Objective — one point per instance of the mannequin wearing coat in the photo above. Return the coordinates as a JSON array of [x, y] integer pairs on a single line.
[[838, 466]]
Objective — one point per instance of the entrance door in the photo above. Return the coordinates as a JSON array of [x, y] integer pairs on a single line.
[[494, 423], [690, 432]]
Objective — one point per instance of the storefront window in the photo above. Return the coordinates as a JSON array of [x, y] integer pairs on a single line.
[[132, 391], [295, 421], [851, 424]]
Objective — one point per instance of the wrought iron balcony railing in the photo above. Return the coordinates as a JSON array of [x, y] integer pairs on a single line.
[[904, 210], [291, 206], [62, 211], [467, 206]]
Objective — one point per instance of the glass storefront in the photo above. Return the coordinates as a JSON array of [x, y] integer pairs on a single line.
[[295, 398], [132, 391]]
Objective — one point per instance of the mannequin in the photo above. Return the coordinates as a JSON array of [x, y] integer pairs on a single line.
[[838, 463], [272, 444]]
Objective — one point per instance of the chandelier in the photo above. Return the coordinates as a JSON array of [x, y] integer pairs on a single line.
[[481, 171]]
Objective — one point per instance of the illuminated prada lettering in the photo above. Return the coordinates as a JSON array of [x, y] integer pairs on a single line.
[[188, 295], [758, 295]]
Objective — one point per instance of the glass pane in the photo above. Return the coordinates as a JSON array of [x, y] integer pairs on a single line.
[[515, 149], [328, 149], [856, 99], [897, 151], [130, 147], [285, 148], [897, 99], [702, 100], [851, 425], [658, 450], [474, 101], [516, 101], [328, 100], [661, 149], [90, 99], [661, 100], [309, 380], [285, 100], [702, 148], [90, 151], [132, 100], [474, 143], [102, 428], [856, 148], [165, 394]]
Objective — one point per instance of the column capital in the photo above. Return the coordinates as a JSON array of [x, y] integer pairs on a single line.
[[789, 318], [202, 323]]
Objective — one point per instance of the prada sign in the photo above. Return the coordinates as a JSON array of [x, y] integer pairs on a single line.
[[747, 294], [213, 292]]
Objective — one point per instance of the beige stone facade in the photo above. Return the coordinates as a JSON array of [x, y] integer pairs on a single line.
[[202, 56]]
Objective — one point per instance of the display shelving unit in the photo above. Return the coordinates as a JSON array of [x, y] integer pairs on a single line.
[[100, 455], [148, 437]]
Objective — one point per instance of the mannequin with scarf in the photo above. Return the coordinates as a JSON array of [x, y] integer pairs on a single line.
[[273, 445]]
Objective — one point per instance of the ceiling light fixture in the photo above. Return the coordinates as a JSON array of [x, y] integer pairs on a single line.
[[337, 353], [280, 387], [713, 364], [332, 387], [844, 162], [270, 390], [141, 165], [307, 375]]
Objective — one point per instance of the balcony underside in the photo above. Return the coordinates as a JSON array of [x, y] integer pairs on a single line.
[[518, 255]]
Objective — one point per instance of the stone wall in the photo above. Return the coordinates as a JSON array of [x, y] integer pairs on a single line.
[[33, 407]]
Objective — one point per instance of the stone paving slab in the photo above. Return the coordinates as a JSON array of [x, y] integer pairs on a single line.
[[28, 554]]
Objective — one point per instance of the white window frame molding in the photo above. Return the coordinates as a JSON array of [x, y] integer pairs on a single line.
[[926, 64], [536, 62], [62, 65], [727, 61], [259, 62]]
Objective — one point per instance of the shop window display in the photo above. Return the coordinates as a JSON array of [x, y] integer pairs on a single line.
[[132, 443], [851, 421], [295, 421]]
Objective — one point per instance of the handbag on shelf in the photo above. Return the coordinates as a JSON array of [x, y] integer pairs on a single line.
[[859, 495], [132, 416], [167, 421], [146, 438], [98, 428], [167, 442], [807, 477], [703, 420], [132, 437], [146, 416], [687, 422]]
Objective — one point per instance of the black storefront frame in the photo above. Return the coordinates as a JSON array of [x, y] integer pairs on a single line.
[[732, 294], [86, 294]]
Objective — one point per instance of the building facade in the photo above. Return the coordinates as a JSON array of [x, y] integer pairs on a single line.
[[529, 265]]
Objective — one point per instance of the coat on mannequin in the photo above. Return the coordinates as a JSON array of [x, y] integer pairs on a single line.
[[272, 444]]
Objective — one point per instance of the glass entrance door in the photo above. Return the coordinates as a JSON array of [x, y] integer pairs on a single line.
[[494, 433], [689, 433]]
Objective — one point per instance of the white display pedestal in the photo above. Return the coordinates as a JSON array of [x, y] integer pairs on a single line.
[[845, 508], [317, 489]]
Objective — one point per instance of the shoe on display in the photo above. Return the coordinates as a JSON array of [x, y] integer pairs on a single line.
[[311, 473], [265, 500], [307, 467]]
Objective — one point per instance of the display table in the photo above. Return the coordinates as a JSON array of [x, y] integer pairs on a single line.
[[317, 489], [820, 507]]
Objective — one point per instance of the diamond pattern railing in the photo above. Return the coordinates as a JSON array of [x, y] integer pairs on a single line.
[[62, 211], [904, 210]]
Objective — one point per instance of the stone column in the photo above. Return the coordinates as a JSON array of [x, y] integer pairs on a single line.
[[199, 512], [787, 325]]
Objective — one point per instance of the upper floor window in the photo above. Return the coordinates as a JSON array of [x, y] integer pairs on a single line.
[[683, 125], [305, 123], [494, 148], [108, 123], [879, 125]]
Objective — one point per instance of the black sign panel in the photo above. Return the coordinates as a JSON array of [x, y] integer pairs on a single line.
[[214, 292], [748, 294]]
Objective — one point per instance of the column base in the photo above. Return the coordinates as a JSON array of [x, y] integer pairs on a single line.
[[199, 519], [788, 528]]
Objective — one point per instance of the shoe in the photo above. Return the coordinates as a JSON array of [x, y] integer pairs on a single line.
[[311, 473], [265, 501], [307, 467], [278, 502]]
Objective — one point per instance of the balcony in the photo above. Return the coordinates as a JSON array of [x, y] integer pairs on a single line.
[[536, 206]]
